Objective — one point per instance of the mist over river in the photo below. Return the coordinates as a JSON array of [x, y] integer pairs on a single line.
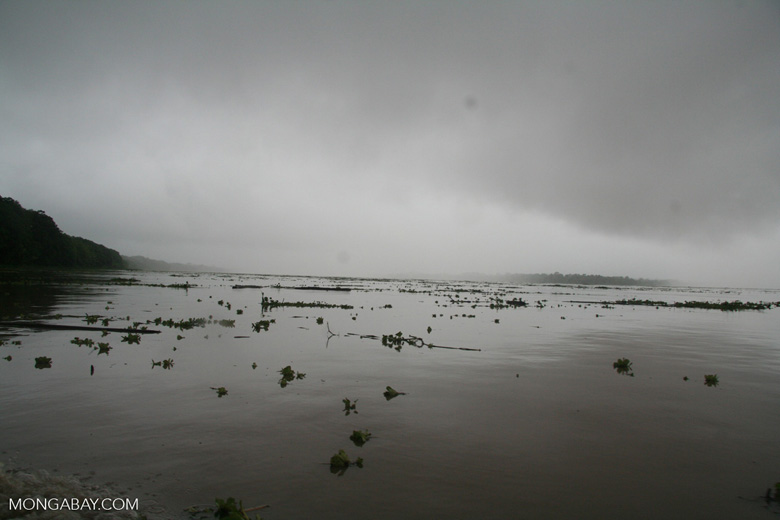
[[505, 411]]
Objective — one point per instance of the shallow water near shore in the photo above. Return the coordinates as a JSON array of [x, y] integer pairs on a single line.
[[523, 417]]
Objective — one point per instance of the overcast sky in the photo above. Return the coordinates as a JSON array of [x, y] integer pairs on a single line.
[[373, 138]]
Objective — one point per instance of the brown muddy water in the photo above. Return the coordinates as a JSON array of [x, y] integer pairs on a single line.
[[535, 424]]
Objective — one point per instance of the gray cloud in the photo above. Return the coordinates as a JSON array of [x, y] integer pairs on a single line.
[[335, 127]]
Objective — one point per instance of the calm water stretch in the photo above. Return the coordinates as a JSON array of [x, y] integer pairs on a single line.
[[524, 416]]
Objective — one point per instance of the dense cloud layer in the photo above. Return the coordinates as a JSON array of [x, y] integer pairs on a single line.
[[265, 135]]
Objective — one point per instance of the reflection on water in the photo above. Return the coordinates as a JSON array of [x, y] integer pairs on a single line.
[[531, 420]]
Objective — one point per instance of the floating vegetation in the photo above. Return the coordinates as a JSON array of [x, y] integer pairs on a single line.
[[221, 391], [254, 366], [228, 509], [103, 348], [91, 319], [262, 325], [623, 366], [349, 406], [498, 303], [360, 437], [711, 380], [397, 341], [227, 323], [731, 306], [320, 320], [269, 304], [8, 358], [80, 342], [132, 338], [392, 393], [166, 364], [339, 463], [43, 362], [187, 324], [289, 375]]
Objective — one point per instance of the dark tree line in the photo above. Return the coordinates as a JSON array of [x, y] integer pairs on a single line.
[[31, 238], [583, 279]]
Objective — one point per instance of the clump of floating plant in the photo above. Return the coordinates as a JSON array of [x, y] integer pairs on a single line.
[[103, 348], [228, 509], [166, 364], [80, 342], [289, 375], [8, 358], [360, 437], [339, 463], [398, 340], [221, 391], [262, 325], [132, 338], [43, 362], [735, 305], [711, 380], [349, 406], [269, 304], [623, 366], [228, 323], [320, 320], [498, 303], [91, 319], [392, 393], [187, 324]]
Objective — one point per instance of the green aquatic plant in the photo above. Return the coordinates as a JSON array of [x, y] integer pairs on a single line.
[[43, 362], [254, 366], [262, 325], [221, 391], [339, 463], [289, 375], [228, 323], [132, 338], [103, 348], [80, 342], [8, 358], [398, 340], [166, 364], [228, 509], [360, 437], [91, 319], [392, 393], [269, 304], [320, 320], [623, 366], [711, 380], [349, 406], [187, 324]]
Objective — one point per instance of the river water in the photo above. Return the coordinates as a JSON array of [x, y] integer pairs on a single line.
[[523, 417]]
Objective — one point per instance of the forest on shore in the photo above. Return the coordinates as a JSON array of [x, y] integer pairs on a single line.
[[32, 238]]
